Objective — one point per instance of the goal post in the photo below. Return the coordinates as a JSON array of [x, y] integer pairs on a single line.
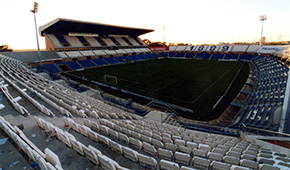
[[109, 79]]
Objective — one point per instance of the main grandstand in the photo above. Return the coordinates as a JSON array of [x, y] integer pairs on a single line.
[[57, 120]]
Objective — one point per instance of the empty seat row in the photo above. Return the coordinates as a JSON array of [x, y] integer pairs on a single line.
[[48, 160], [126, 151], [89, 152]]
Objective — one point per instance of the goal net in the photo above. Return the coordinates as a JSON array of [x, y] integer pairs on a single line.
[[109, 79]]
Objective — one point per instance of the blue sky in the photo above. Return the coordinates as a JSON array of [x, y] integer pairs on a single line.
[[186, 21]]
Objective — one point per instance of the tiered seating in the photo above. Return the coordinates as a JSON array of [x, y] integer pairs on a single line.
[[87, 53], [134, 58], [231, 57], [246, 57], [100, 62], [140, 141], [87, 63], [72, 64], [90, 152], [47, 160], [13, 101], [202, 56], [190, 55], [101, 41], [73, 54], [108, 42], [61, 40], [29, 98], [180, 54], [268, 94], [51, 68], [92, 41], [217, 56], [73, 41], [128, 41], [115, 41], [208, 151], [54, 40], [138, 41], [110, 60], [83, 41]]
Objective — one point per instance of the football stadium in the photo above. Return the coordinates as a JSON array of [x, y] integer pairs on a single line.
[[99, 97]]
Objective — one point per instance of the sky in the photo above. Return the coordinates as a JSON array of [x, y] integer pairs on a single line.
[[185, 21]]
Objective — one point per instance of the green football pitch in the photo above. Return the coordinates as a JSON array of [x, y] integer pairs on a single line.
[[193, 84]]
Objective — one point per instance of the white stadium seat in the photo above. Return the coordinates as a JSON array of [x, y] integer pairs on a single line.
[[216, 165], [165, 154], [135, 143], [168, 165], [116, 147], [182, 158], [78, 146], [147, 161], [149, 148], [202, 163], [91, 155], [52, 158], [130, 154]]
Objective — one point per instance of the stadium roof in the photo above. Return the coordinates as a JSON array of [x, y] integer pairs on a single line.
[[65, 26]]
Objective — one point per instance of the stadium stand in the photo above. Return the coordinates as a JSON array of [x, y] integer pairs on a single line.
[[32, 56], [83, 41], [100, 62], [87, 63], [88, 132], [72, 64], [110, 60], [51, 68], [128, 136], [267, 96], [73, 41], [202, 56]]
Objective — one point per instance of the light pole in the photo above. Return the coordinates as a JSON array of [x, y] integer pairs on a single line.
[[163, 28], [35, 9], [262, 18]]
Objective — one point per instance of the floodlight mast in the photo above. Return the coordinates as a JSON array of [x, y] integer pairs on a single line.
[[35, 9], [163, 28], [262, 18]]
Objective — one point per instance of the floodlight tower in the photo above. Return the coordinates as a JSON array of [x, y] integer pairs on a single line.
[[35, 9], [262, 18], [163, 28]]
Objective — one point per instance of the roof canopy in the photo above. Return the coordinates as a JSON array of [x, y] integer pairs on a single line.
[[65, 26]]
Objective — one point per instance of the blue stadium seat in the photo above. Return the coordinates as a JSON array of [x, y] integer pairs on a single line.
[[231, 57], [267, 94], [142, 57], [203, 55], [171, 54], [100, 62], [190, 55], [134, 58], [246, 57], [111, 60], [164, 54], [51, 68], [121, 59], [180, 55], [72, 64], [217, 56], [87, 63]]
